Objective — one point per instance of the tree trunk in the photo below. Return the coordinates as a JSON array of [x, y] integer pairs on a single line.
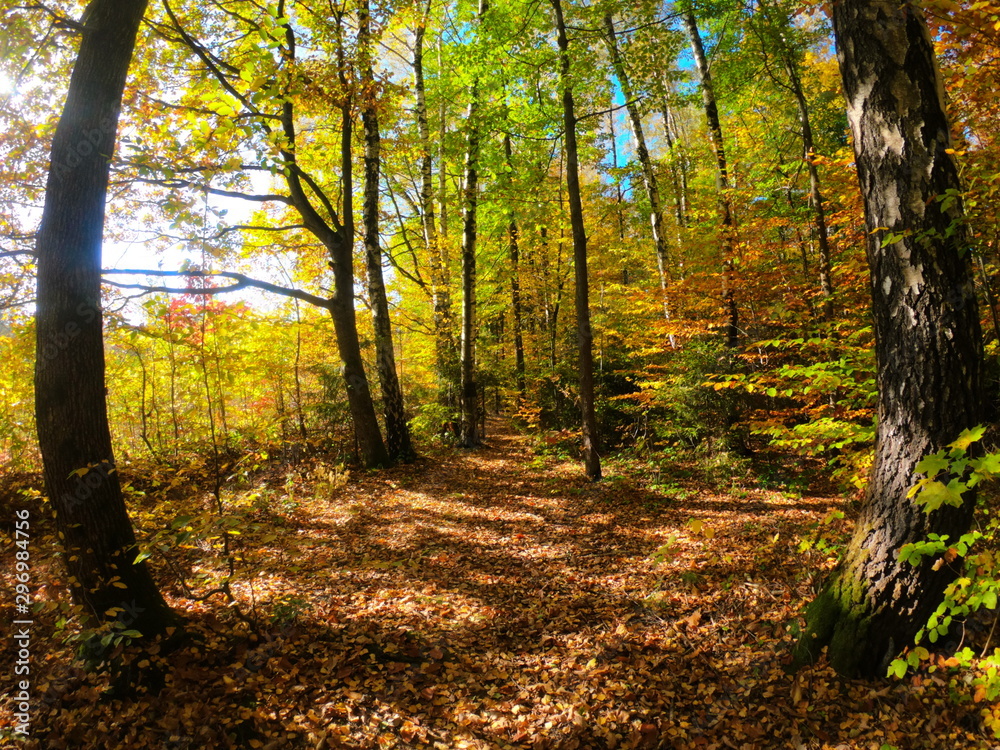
[[397, 433], [442, 155], [927, 337], [619, 193], [815, 195], [470, 434], [648, 174], [337, 236], [791, 67], [444, 319], [678, 160], [340, 246], [726, 224], [585, 334], [70, 399], [513, 239]]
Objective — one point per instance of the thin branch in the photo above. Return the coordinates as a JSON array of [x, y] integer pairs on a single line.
[[242, 282], [215, 191], [609, 110]]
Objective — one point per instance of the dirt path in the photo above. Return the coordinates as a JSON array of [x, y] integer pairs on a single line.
[[490, 599]]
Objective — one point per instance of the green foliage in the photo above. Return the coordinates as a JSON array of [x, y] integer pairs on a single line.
[[947, 475], [681, 402], [431, 421], [820, 399]]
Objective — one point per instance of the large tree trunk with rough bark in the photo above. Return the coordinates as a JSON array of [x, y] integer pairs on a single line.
[[927, 335], [727, 226], [585, 335], [642, 152], [70, 405], [397, 432]]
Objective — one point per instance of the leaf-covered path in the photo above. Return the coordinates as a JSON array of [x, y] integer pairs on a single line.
[[493, 599]]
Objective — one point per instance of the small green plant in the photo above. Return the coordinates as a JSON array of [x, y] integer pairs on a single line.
[[828, 537], [947, 475], [288, 608]]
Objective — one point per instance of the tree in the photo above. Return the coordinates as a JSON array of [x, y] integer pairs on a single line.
[[275, 120], [397, 433], [70, 403], [470, 199], [927, 333], [585, 334], [514, 255], [726, 223], [773, 36], [440, 277], [642, 152]]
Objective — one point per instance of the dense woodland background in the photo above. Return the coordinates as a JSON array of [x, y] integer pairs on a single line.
[[278, 164]]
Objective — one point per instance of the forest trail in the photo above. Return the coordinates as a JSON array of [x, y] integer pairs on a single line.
[[496, 599]]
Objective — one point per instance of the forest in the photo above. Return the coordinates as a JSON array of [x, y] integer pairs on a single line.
[[540, 374]]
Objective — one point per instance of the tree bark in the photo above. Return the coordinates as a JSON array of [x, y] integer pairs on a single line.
[[514, 253], [927, 333], [585, 335], [726, 223], [642, 152], [443, 316], [470, 433], [70, 402], [397, 433]]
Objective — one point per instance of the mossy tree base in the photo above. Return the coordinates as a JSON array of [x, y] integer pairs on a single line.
[[840, 624]]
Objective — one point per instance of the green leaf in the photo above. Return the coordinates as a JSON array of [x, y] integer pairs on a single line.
[[935, 494], [988, 464], [897, 669], [968, 437], [933, 465]]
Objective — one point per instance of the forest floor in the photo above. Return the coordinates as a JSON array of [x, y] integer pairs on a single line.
[[496, 599]]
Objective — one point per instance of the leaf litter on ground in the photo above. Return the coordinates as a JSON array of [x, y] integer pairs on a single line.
[[484, 599]]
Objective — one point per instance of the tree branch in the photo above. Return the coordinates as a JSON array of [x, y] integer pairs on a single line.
[[242, 282], [215, 191]]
